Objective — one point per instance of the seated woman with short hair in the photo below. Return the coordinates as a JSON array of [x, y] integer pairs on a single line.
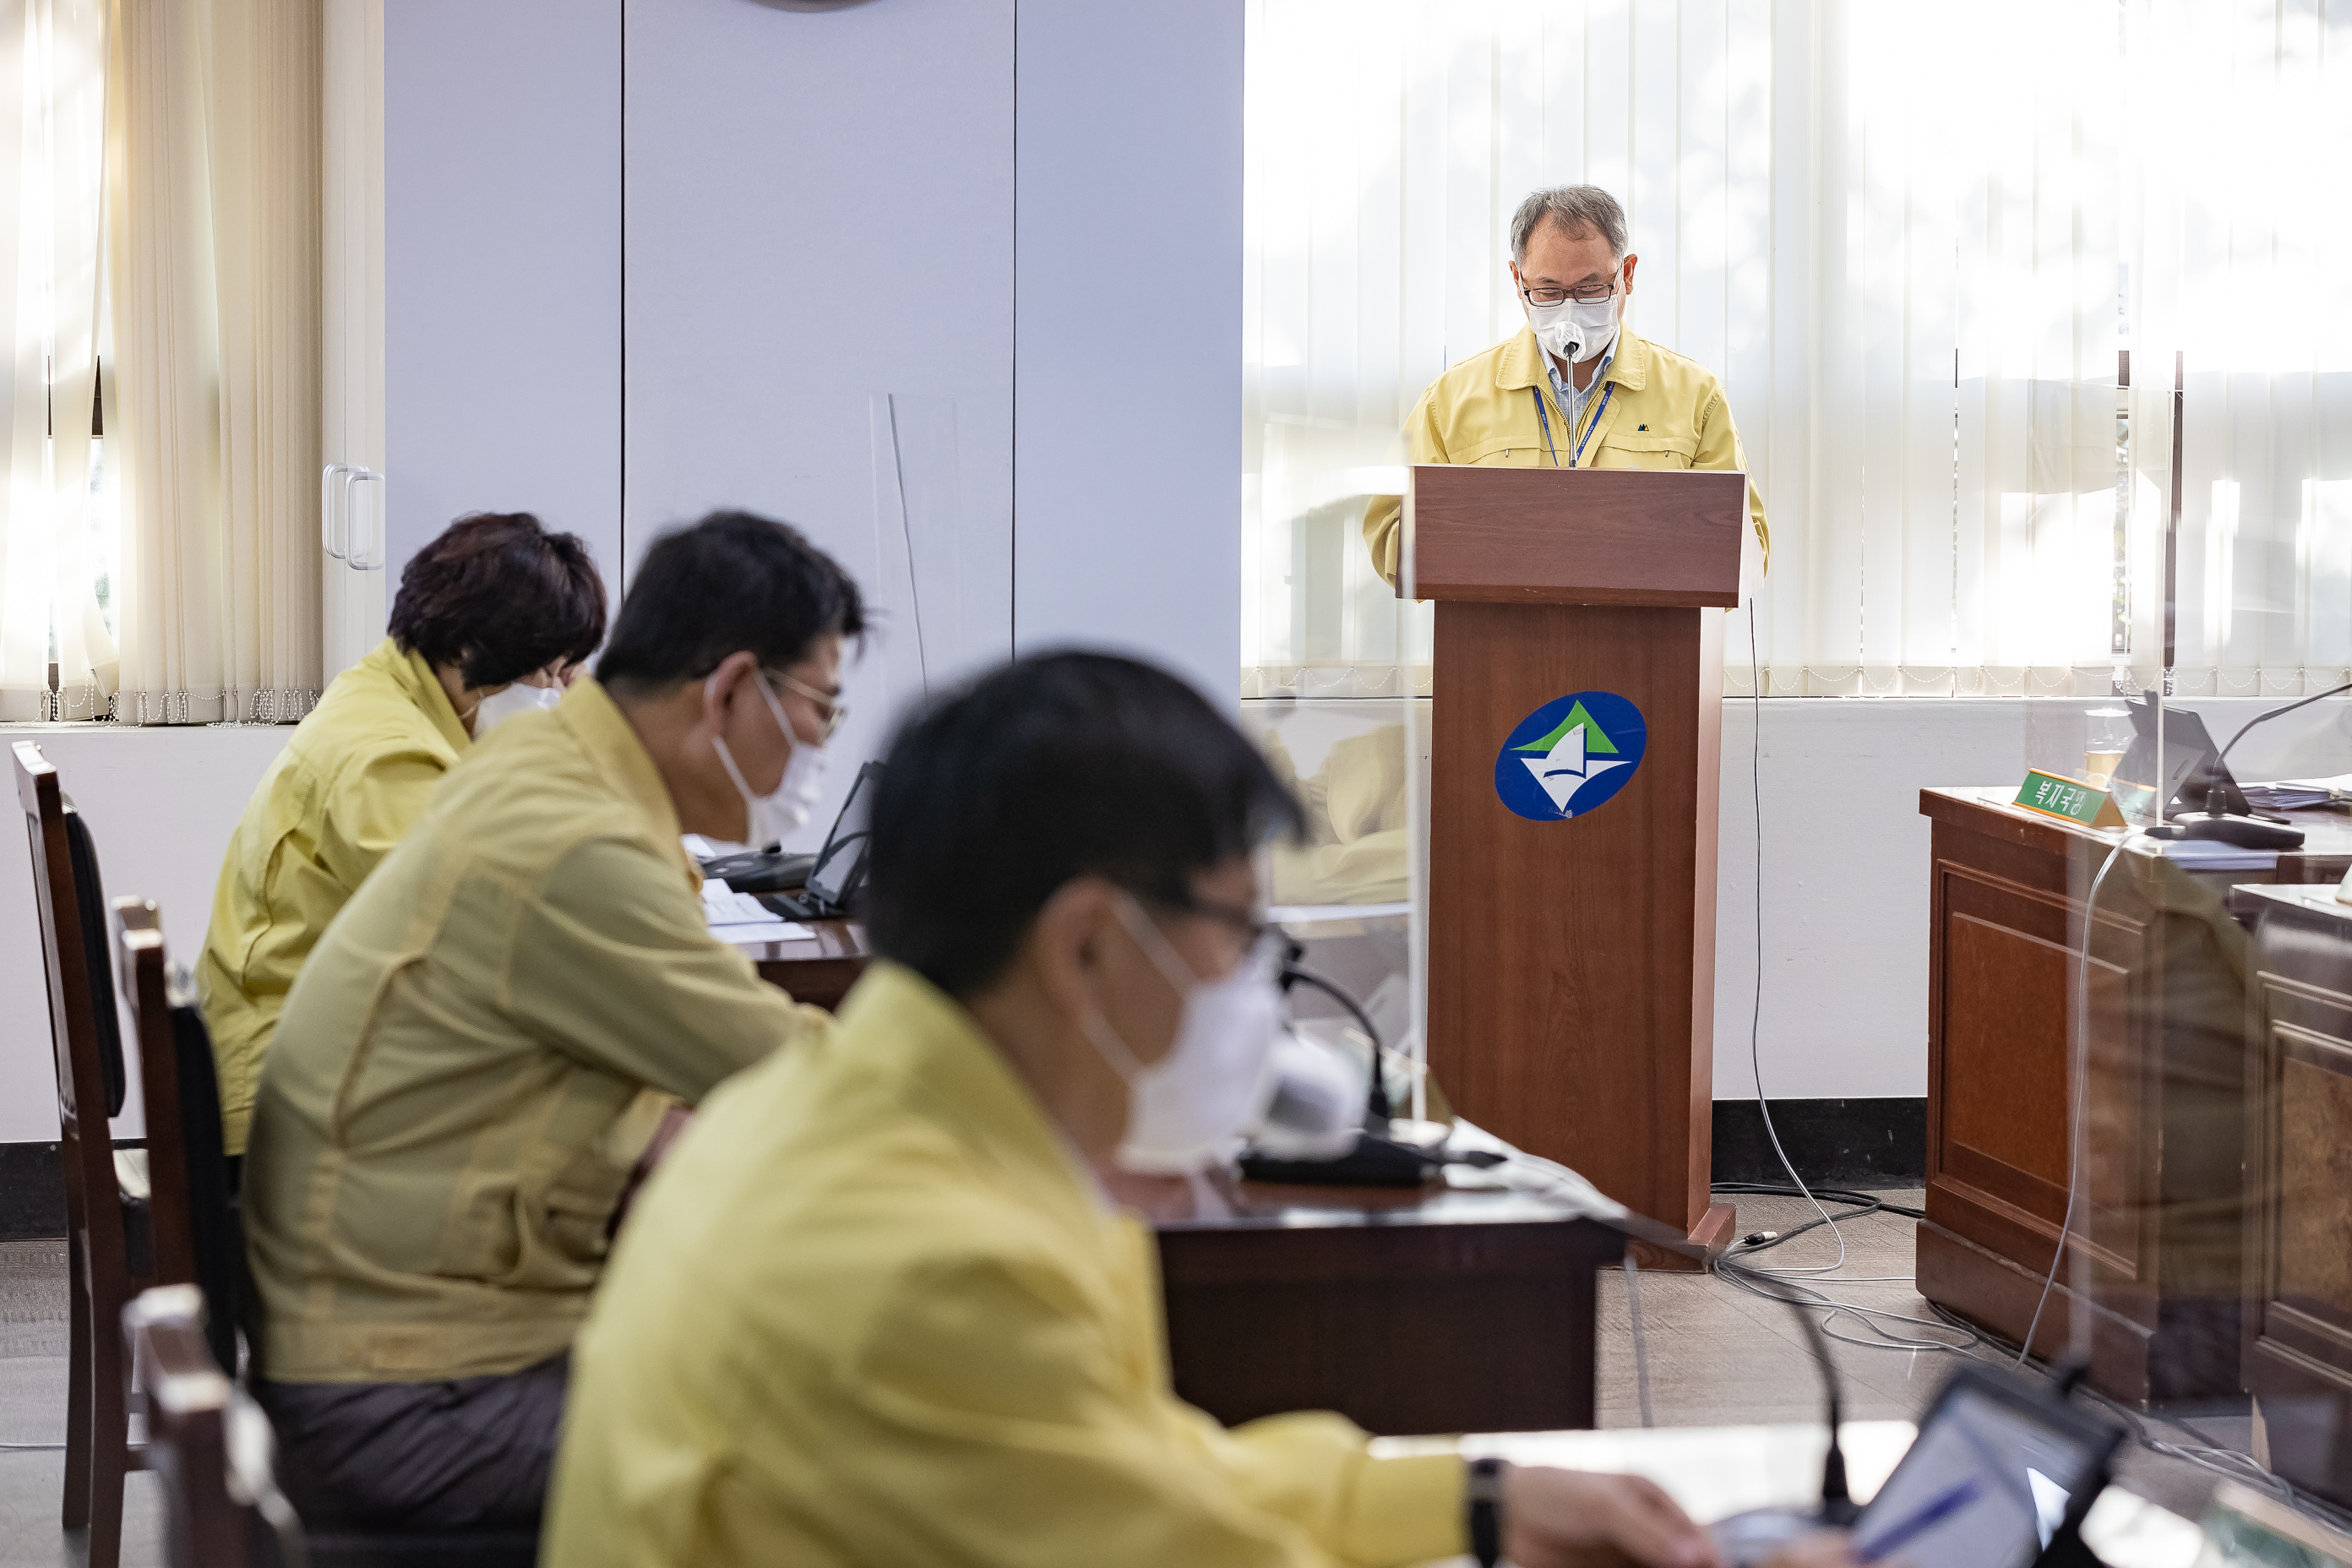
[[491, 619]]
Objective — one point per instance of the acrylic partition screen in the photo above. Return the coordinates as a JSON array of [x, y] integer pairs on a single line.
[[1357, 757]]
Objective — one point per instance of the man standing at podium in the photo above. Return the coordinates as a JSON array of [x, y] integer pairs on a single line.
[[1572, 389]]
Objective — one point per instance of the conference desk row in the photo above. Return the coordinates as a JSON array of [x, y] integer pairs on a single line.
[[2213, 1252], [1428, 1310]]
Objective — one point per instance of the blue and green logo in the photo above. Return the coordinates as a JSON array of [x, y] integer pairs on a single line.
[[1571, 756]]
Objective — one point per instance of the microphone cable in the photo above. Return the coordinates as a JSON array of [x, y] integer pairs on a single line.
[[1800, 1280]]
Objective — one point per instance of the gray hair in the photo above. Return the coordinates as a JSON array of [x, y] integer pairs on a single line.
[[1576, 208]]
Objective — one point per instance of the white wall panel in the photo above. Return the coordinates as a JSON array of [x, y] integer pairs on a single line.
[[164, 843], [1127, 425], [502, 268], [820, 306]]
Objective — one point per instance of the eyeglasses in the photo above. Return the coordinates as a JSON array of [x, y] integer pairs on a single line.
[[1262, 943], [835, 710], [1583, 294]]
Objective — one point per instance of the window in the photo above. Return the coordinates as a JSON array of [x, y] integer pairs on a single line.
[[1916, 284]]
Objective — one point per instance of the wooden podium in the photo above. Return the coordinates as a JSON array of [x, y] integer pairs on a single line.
[[1571, 961]]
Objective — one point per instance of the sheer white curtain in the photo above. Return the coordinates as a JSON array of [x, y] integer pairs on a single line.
[[2236, 262], [52, 108], [213, 236], [1912, 240]]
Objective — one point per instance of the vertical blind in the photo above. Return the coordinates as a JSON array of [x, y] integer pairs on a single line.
[[1923, 246], [54, 524]]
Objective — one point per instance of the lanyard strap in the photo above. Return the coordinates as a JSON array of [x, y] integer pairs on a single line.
[[1591, 424], [1543, 416]]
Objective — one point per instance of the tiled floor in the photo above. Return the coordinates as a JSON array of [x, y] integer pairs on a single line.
[[1717, 1357], [33, 1410]]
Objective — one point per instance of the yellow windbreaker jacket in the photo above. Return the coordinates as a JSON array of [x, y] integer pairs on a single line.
[[459, 1088], [872, 1312], [345, 789], [1666, 411]]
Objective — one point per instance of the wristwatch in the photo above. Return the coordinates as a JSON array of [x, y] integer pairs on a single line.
[[1484, 1493]]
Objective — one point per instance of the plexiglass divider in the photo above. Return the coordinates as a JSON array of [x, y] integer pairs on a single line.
[[1357, 757]]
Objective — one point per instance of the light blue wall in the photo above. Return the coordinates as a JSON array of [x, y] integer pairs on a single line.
[[1127, 423], [502, 268]]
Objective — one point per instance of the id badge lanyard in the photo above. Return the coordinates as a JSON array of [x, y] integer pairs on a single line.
[[1543, 414]]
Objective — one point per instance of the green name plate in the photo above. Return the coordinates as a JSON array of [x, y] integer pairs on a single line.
[[2070, 800]]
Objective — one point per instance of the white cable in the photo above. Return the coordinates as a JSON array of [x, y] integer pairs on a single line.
[[1756, 1014]]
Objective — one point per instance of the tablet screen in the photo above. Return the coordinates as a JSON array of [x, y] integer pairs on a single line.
[[1985, 1485]]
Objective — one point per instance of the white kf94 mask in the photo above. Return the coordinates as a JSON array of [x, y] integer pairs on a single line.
[[1575, 330], [1188, 1110], [513, 702], [783, 810]]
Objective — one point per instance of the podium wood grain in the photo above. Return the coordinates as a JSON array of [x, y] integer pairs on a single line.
[[1571, 964]]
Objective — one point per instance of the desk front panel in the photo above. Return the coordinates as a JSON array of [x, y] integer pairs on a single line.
[[2157, 1250], [2298, 1331]]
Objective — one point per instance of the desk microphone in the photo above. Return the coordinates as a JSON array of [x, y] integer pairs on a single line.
[[1375, 1160], [1838, 1506]]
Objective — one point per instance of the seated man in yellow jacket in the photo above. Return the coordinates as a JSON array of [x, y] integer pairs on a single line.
[[459, 1086], [490, 618], [1573, 388], [878, 1309]]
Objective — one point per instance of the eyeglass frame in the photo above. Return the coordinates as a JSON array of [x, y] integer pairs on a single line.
[[1569, 295], [834, 711], [1262, 943]]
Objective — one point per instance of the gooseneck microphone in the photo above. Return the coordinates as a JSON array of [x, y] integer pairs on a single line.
[[1378, 1106], [1838, 1506]]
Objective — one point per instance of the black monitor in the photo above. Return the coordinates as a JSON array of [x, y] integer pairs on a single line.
[[2191, 769], [838, 873]]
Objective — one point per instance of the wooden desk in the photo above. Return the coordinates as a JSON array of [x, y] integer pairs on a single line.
[[820, 971], [1428, 1310], [2161, 1239], [1407, 1312], [2298, 1318]]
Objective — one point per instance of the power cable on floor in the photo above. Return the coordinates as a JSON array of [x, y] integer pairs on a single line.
[[1802, 1281]]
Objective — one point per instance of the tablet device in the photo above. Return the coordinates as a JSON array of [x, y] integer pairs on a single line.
[[2001, 1466]]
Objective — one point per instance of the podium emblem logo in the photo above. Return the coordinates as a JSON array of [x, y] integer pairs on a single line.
[[1571, 756]]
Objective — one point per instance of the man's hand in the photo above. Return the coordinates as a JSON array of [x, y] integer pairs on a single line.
[[1568, 1518], [1830, 1549]]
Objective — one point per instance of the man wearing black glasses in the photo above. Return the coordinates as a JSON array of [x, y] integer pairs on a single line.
[[1573, 389], [881, 1307], [482, 1046]]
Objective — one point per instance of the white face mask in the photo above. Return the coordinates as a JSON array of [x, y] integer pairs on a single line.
[[516, 699], [1576, 329], [1187, 1110], [783, 810]]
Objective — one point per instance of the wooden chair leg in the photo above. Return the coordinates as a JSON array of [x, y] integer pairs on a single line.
[[109, 1441], [78, 1387]]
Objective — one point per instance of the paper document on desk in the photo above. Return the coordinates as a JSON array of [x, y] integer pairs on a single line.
[[2293, 795], [1524, 1173], [740, 918], [2213, 855]]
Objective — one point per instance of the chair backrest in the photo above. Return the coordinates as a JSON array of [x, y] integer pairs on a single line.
[[197, 1236], [208, 1442], [88, 1093]]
